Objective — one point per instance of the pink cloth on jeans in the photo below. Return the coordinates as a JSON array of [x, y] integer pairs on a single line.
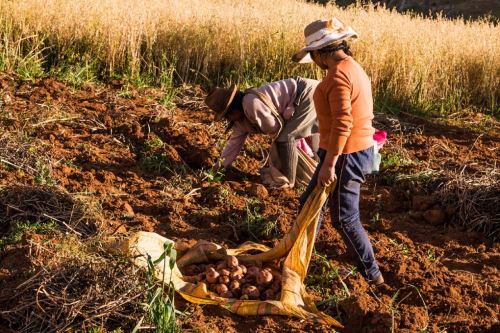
[[380, 136]]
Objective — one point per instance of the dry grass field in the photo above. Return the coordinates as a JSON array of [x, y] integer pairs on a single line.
[[104, 132], [437, 66]]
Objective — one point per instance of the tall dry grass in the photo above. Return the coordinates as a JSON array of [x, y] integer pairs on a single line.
[[415, 63]]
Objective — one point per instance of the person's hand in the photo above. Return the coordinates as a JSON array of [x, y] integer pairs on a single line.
[[326, 175]]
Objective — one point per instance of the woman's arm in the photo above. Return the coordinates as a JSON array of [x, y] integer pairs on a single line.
[[339, 100], [233, 146]]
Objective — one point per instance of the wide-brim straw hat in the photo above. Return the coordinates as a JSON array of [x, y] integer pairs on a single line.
[[321, 33], [219, 99]]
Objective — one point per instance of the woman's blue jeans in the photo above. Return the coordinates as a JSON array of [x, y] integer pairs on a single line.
[[350, 170]]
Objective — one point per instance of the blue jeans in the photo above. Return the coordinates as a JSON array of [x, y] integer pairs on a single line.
[[344, 206]]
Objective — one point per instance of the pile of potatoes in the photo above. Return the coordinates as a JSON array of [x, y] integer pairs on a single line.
[[230, 279]]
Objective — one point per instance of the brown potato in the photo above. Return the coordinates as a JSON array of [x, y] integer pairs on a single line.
[[224, 279], [221, 265], [221, 289], [234, 284], [231, 262], [276, 285], [212, 275], [237, 277], [243, 269], [251, 291], [264, 277], [227, 294], [237, 271], [224, 272], [252, 271], [268, 294]]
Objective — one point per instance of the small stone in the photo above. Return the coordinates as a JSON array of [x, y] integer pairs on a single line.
[[127, 210], [434, 216]]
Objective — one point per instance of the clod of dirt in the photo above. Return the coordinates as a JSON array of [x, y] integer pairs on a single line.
[[416, 216], [422, 202], [453, 293], [434, 216], [259, 191], [128, 211]]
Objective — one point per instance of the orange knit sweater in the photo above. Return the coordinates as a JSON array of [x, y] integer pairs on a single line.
[[344, 105]]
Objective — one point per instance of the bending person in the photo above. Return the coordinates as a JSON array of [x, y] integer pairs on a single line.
[[282, 109]]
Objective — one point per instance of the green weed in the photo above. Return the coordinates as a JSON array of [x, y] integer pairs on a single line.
[[430, 254], [43, 175], [395, 161], [256, 224], [213, 176], [161, 307], [400, 246], [322, 276], [154, 142], [19, 228]]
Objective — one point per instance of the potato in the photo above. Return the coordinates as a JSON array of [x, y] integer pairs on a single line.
[[224, 272], [224, 279], [212, 275], [243, 269], [237, 270], [227, 294], [220, 289], [264, 277], [251, 291], [231, 262], [235, 287], [276, 285], [252, 271], [235, 284], [221, 265], [236, 277], [268, 294]]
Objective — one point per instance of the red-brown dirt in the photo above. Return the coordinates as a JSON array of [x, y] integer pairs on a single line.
[[106, 145]]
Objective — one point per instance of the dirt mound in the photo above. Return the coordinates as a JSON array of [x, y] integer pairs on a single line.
[[145, 167]]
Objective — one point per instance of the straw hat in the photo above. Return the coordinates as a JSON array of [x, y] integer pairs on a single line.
[[321, 33], [219, 100]]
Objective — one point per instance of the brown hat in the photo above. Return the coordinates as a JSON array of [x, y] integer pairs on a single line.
[[219, 100], [321, 33]]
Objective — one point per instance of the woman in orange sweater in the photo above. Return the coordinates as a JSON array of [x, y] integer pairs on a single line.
[[344, 107]]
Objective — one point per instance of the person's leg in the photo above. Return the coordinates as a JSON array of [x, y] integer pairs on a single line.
[[288, 158], [344, 209], [310, 187]]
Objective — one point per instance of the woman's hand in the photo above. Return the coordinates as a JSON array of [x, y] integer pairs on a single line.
[[327, 172], [326, 175]]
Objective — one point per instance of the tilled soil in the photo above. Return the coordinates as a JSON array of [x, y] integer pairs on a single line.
[[144, 164]]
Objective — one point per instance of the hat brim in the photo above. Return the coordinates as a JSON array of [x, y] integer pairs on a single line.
[[234, 90], [303, 56]]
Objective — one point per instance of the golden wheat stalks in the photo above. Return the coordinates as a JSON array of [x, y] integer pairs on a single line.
[[429, 63]]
